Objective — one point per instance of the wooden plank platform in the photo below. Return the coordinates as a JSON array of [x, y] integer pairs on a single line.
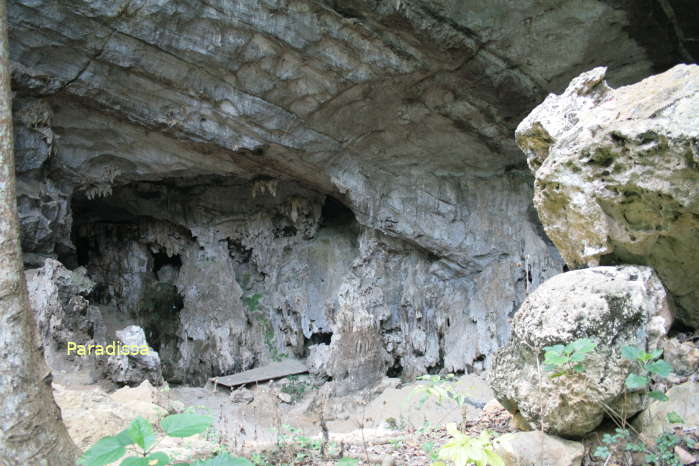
[[275, 370]]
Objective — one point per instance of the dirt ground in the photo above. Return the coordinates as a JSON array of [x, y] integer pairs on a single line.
[[290, 421]]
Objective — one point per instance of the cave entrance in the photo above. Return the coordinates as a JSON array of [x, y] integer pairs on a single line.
[[335, 213], [135, 277]]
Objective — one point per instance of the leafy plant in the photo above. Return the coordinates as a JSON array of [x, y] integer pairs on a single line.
[[439, 388], [430, 450], [566, 359], [295, 387], [140, 436], [252, 302], [648, 364], [463, 450], [662, 451]]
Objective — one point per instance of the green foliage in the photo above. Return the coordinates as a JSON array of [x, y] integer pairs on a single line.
[[140, 436], [440, 389], [346, 461], [648, 365], [185, 424], [674, 418], [463, 450], [295, 387], [662, 452], [430, 450], [567, 359], [252, 302]]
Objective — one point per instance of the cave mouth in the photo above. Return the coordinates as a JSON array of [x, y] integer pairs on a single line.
[[336, 214], [135, 278]]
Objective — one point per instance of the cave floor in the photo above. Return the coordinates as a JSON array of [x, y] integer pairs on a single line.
[[280, 421]]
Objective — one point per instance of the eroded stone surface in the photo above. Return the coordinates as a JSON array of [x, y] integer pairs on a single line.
[[614, 306], [616, 175]]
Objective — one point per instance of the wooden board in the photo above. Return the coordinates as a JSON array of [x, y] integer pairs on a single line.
[[275, 370]]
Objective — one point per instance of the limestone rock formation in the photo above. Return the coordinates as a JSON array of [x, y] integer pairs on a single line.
[[62, 314], [242, 178], [614, 306], [617, 175]]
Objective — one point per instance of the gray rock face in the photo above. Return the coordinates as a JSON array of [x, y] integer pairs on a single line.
[[617, 178], [349, 162], [614, 306], [61, 312]]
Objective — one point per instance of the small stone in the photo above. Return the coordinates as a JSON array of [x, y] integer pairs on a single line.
[[683, 401], [285, 397], [242, 395], [684, 456], [538, 448]]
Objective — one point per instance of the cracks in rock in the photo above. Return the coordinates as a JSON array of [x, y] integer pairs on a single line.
[[89, 62]]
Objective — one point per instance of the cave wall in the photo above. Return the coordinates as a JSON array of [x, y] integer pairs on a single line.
[[217, 130]]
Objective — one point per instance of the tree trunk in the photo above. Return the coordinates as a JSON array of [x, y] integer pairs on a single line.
[[31, 431]]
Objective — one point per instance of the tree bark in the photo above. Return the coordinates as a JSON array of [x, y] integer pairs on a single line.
[[31, 431]]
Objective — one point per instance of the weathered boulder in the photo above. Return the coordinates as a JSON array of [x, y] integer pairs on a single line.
[[613, 306], [538, 449], [132, 369], [617, 175], [683, 400]]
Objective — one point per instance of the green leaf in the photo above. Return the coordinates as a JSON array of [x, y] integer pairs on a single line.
[[582, 345], [655, 354], [554, 349], [674, 418], [631, 353], [105, 451], [493, 459], [660, 396], [185, 424], [660, 367], [124, 437], [635, 381], [645, 357], [158, 459], [134, 461], [601, 452], [554, 359], [141, 432]]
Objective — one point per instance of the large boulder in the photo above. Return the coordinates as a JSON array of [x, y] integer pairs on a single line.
[[614, 306], [617, 175]]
